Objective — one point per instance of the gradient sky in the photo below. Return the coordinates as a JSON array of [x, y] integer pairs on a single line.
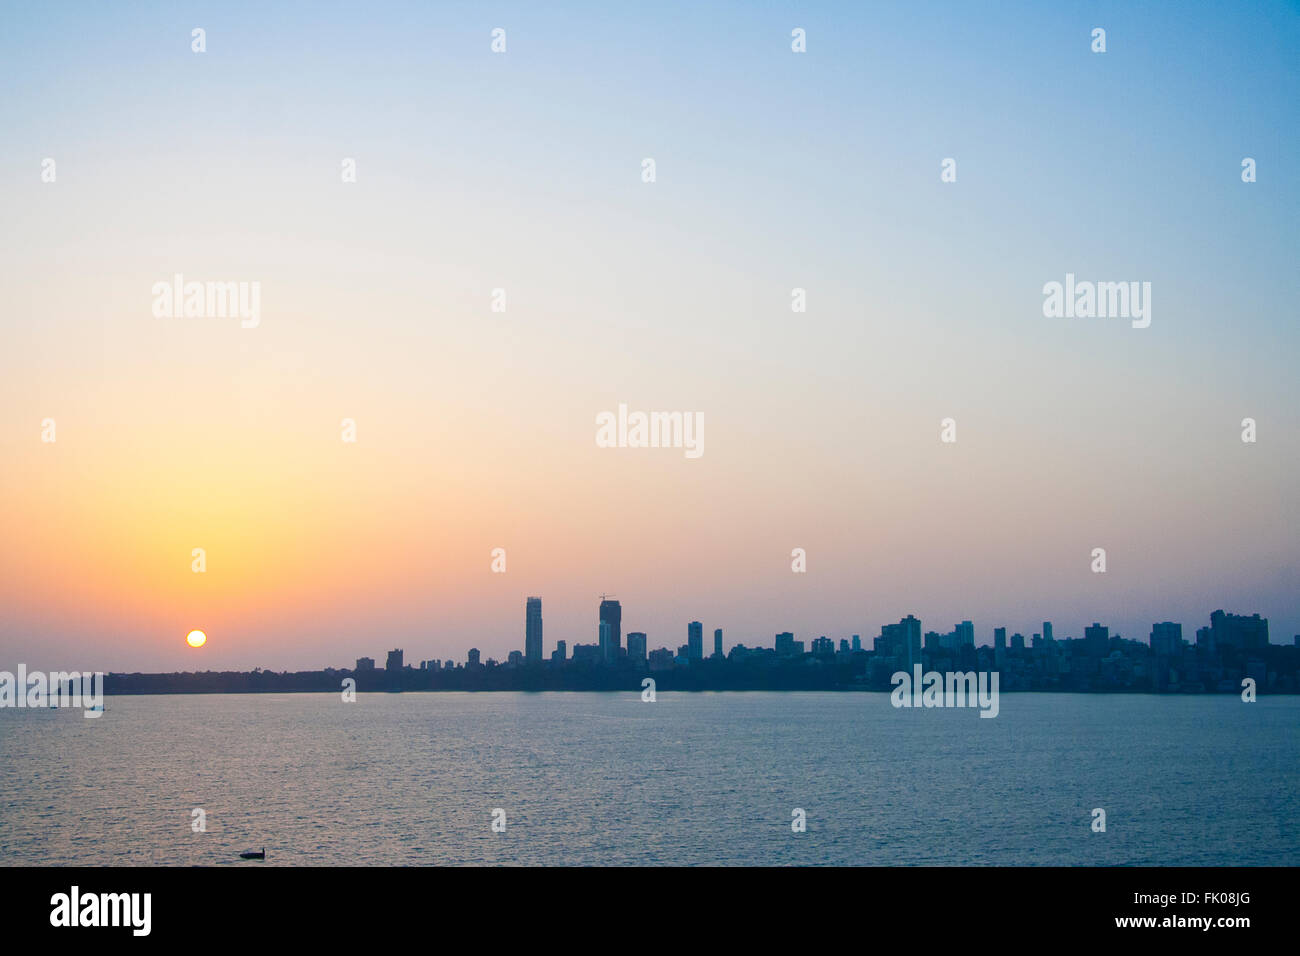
[[522, 171]]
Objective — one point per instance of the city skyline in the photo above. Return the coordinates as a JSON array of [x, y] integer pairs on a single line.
[[500, 646], [1233, 654], [1165, 638]]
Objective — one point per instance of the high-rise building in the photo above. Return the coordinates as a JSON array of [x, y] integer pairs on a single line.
[[636, 646], [910, 630], [857, 642], [1096, 639], [1205, 639], [472, 658], [999, 647], [695, 640], [965, 632], [365, 663], [1047, 632], [394, 662], [890, 642], [1166, 639], [661, 659], [561, 651], [611, 629], [1239, 631], [590, 653], [533, 630], [717, 642], [785, 644]]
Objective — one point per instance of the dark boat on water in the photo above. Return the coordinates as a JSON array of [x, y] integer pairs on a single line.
[[253, 854]]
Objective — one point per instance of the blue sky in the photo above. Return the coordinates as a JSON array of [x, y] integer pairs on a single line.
[[775, 170]]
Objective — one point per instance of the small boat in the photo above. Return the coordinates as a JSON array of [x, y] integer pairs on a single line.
[[253, 854]]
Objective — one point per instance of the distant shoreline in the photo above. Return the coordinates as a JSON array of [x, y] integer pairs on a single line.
[[614, 680]]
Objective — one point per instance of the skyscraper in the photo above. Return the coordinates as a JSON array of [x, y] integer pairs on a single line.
[[910, 630], [1096, 639], [717, 642], [611, 629], [1166, 638], [890, 642], [636, 646], [695, 640], [1239, 631], [533, 630]]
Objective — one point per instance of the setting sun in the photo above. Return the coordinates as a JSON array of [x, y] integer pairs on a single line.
[[196, 638]]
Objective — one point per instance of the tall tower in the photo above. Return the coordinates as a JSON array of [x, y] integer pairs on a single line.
[[910, 631], [695, 640], [533, 631], [611, 629]]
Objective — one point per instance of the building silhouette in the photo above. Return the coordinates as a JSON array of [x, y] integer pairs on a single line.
[[1234, 647], [909, 630], [1166, 638], [787, 646], [1238, 631], [611, 629], [533, 630], [1096, 639], [695, 641]]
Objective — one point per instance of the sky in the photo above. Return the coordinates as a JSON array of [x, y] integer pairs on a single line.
[[523, 171]]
